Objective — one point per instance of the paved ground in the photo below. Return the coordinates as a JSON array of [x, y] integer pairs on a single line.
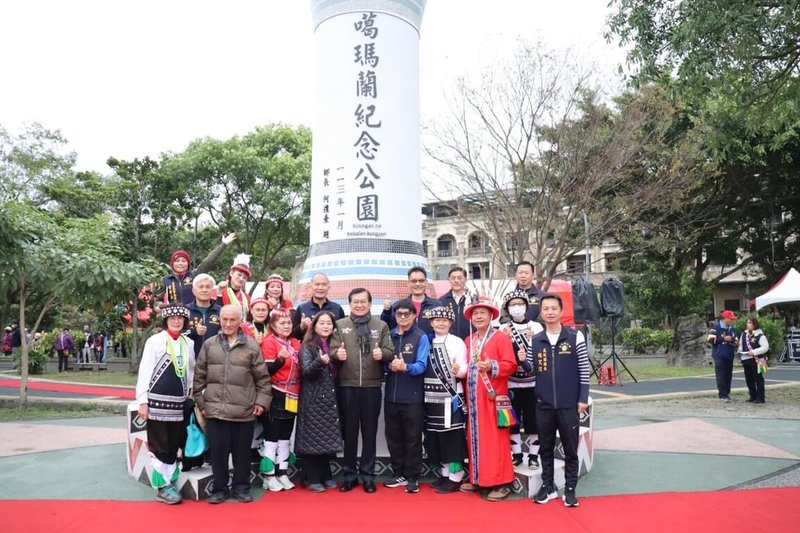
[[646, 440]]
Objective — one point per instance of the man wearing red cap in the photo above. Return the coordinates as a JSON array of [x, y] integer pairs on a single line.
[[723, 348], [489, 413], [178, 283]]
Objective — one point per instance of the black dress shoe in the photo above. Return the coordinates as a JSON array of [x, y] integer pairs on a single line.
[[347, 486], [369, 487]]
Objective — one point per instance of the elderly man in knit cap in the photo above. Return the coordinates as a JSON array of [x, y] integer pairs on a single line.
[[165, 381], [178, 283]]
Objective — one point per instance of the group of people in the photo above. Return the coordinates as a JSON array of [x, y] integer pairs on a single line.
[[459, 380], [85, 347], [752, 348]]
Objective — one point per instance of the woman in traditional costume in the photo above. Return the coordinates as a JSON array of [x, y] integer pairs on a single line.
[[281, 352], [165, 377]]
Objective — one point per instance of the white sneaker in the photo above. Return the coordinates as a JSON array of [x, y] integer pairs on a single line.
[[272, 484], [284, 481]]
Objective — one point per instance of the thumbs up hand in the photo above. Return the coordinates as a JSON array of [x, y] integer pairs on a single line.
[[341, 353], [376, 352]]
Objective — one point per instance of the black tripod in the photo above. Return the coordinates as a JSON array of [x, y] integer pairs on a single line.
[[614, 356]]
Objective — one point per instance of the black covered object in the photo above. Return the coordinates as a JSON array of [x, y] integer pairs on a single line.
[[612, 297], [584, 301]]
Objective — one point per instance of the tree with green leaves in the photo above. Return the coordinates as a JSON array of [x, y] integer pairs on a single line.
[[735, 57], [257, 185], [65, 261]]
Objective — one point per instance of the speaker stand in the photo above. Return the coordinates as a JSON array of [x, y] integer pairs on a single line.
[[615, 358]]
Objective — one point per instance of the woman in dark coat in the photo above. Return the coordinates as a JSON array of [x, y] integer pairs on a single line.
[[319, 434]]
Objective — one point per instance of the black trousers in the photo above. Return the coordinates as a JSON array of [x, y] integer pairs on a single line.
[[317, 468], [63, 360], [723, 368], [524, 404], [404, 423], [566, 422], [361, 407], [164, 439], [229, 438], [754, 380]]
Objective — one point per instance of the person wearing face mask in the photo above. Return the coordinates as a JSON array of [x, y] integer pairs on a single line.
[[177, 284], [522, 382]]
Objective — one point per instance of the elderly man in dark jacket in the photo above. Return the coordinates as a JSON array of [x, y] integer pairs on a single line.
[[231, 388]]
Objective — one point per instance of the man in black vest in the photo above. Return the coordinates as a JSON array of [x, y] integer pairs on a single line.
[[561, 365]]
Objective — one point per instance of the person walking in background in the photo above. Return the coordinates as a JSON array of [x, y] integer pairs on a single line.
[[231, 389], [7, 341], [63, 346], [318, 437], [722, 337], [753, 348]]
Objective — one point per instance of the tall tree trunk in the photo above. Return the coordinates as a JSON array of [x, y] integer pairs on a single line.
[[23, 365]]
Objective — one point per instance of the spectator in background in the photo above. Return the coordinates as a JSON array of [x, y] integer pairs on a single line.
[[7, 335], [86, 349], [753, 348], [63, 346], [98, 346], [722, 337]]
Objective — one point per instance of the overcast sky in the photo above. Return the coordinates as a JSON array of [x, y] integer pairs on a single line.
[[136, 78]]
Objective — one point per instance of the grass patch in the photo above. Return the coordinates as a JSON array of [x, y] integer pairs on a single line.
[[646, 372], [10, 411], [95, 378]]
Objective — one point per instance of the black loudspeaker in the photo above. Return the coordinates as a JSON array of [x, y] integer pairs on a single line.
[[584, 302], [612, 298]]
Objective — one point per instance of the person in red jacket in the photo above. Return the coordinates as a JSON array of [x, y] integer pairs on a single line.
[[281, 352], [489, 414]]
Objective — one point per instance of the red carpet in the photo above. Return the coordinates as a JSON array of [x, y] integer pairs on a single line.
[[125, 393], [773, 510]]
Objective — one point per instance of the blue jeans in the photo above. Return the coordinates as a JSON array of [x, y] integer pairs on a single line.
[[723, 368]]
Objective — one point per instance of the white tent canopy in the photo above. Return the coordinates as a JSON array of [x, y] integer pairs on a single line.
[[786, 290]]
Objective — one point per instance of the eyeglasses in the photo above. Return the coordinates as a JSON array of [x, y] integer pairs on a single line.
[[416, 281], [403, 314]]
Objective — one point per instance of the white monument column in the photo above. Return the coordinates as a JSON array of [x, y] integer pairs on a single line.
[[365, 184]]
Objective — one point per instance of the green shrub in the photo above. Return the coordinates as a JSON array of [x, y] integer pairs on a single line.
[[646, 340]]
